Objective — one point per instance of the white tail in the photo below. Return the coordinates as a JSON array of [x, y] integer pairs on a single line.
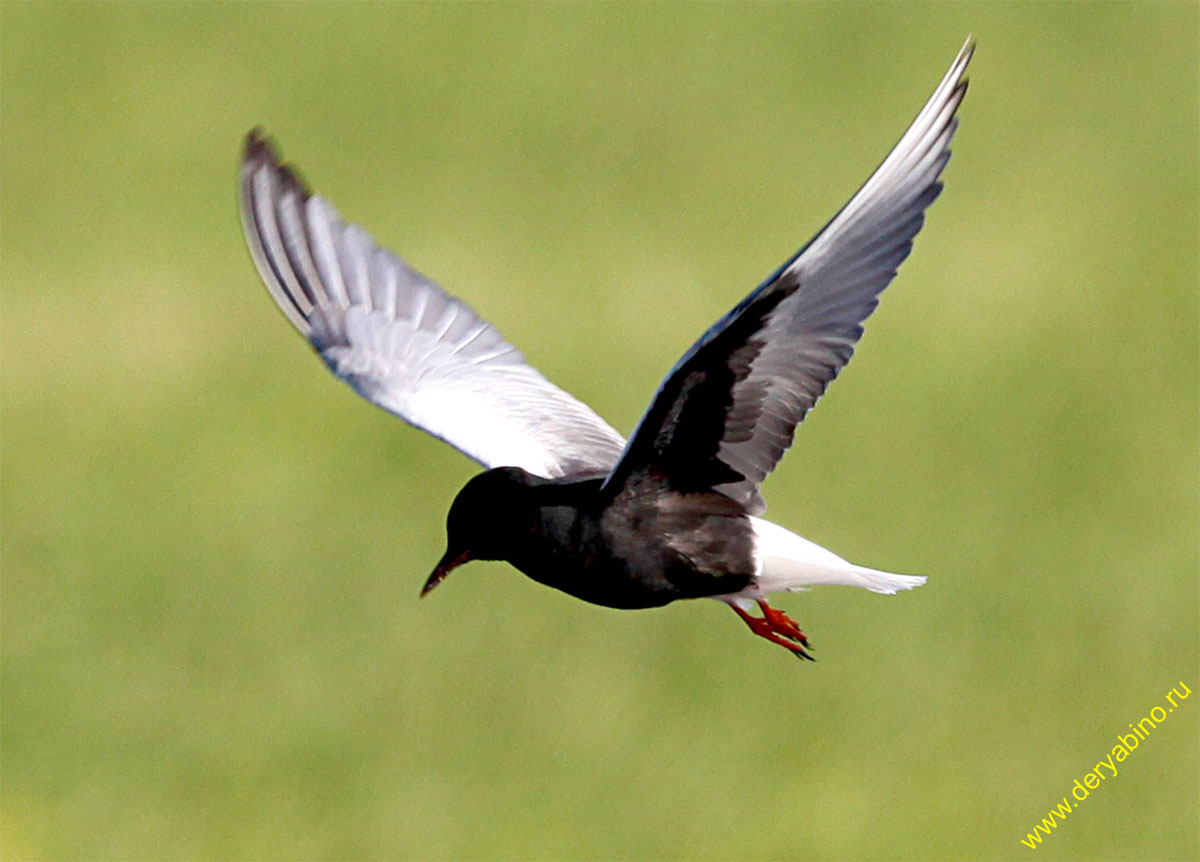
[[787, 562]]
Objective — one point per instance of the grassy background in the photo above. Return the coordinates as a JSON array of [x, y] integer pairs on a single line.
[[212, 646]]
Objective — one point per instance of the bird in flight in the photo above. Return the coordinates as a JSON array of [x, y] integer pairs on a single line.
[[674, 511]]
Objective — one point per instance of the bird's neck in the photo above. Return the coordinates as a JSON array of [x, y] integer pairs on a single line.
[[546, 522]]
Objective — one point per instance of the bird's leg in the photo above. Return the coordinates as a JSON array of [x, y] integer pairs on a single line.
[[777, 627]]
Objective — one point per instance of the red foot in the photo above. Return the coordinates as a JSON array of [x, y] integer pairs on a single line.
[[778, 628]]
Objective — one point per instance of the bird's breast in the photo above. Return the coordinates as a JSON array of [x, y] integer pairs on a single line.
[[645, 553]]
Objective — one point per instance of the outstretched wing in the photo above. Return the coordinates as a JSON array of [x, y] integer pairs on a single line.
[[402, 342], [727, 411]]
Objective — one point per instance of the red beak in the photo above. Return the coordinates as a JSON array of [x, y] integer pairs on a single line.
[[446, 566]]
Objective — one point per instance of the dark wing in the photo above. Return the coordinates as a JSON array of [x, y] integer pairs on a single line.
[[727, 411], [402, 342]]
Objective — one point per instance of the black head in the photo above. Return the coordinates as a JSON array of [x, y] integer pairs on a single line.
[[489, 514]]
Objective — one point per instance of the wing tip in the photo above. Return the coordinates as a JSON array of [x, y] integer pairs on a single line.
[[259, 147], [956, 77], [264, 179], [260, 151], [968, 49]]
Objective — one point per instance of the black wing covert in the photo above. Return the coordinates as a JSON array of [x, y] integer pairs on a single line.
[[728, 410]]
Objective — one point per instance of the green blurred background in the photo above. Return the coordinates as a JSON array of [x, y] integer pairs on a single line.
[[212, 644]]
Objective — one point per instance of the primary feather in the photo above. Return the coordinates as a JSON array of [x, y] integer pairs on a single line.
[[728, 410], [402, 342]]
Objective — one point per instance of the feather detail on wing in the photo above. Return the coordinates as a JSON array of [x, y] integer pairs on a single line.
[[402, 342], [728, 410]]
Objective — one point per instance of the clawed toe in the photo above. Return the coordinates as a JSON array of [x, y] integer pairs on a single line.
[[782, 623], [778, 628]]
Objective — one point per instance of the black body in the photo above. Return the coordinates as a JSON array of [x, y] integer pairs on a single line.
[[635, 550]]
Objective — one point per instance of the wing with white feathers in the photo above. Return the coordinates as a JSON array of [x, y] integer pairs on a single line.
[[728, 410], [402, 342]]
